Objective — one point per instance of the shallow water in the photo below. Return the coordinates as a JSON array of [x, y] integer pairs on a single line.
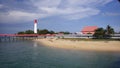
[[28, 54]]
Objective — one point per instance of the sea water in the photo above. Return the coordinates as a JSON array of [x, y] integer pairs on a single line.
[[29, 54]]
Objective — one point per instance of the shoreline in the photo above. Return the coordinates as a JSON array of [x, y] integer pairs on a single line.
[[109, 46]]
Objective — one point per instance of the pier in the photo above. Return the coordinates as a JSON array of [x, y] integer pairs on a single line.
[[16, 37]]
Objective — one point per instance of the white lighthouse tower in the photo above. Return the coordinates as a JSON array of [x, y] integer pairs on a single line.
[[35, 26]]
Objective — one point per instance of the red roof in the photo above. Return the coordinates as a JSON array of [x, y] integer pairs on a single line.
[[89, 28]]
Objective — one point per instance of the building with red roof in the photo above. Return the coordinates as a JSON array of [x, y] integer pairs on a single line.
[[89, 29]]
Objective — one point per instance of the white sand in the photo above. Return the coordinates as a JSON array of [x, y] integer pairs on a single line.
[[112, 46]]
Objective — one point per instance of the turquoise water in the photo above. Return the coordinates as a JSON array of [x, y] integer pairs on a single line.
[[28, 54]]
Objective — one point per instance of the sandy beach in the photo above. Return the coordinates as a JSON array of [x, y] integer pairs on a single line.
[[112, 46]]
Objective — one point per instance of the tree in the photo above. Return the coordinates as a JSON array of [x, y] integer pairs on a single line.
[[51, 32], [21, 32], [99, 33], [29, 32], [38, 31], [66, 32], [104, 33], [109, 30], [119, 0], [44, 31]]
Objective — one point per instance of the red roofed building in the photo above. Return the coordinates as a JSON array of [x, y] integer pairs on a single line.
[[89, 30]]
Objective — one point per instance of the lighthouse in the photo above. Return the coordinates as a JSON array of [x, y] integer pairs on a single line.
[[35, 26]]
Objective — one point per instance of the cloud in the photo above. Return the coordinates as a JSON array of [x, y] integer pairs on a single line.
[[69, 9], [19, 16], [83, 13], [111, 14]]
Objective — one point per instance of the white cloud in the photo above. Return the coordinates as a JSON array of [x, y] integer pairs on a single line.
[[110, 14], [19, 16], [68, 9], [46, 3], [83, 13], [72, 13]]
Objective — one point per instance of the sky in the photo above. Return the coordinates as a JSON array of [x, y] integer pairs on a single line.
[[58, 15]]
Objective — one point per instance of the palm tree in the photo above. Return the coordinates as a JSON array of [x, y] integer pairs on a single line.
[[104, 33], [109, 30], [119, 0]]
